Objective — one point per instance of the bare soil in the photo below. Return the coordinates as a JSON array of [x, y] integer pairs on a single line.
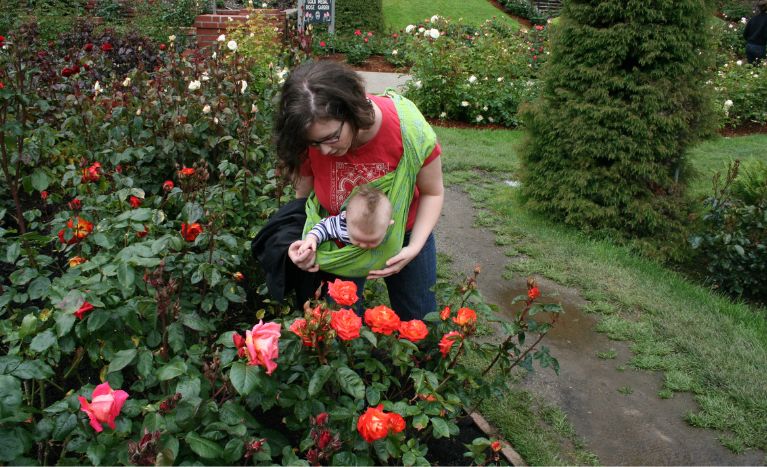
[[638, 428]]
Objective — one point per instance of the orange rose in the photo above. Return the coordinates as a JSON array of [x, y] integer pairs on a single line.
[[80, 229], [76, 261], [465, 317], [238, 276], [446, 343], [343, 292], [186, 171], [496, 446], [445, 313], [414, 330], [376, 424], [382, 319], [190, 232], [533, 293], [346, 323], [299, 328]]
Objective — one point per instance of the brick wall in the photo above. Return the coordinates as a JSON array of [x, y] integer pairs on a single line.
[[209, 27]]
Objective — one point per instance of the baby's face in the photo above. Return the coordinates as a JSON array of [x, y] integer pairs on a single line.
[[371, 235]]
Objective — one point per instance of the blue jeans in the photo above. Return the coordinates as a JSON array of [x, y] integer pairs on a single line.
[[410, 291], [754, 52]]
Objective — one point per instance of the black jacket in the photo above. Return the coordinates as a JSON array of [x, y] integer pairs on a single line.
[[270, 248], [756, 30]]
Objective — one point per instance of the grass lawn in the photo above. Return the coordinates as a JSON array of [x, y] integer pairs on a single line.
[[400, 13], [704, 343]]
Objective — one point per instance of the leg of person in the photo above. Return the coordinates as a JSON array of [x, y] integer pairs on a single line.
[[410, 290]]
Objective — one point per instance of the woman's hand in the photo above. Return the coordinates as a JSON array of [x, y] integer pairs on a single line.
[[395, 263], [303, 260]]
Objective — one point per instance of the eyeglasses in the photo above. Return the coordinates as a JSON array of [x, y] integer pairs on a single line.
[[334, 138]]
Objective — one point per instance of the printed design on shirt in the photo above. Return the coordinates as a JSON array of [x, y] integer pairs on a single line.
[[345, 176]]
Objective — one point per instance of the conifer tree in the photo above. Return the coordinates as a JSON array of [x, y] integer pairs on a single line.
[[623, 98]]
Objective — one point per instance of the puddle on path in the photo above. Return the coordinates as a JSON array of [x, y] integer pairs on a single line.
[[638, 428]]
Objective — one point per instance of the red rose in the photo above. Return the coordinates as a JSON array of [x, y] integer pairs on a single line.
[[357, 32], [186, 171], [395, 35], [343, 292], [495, 446], [382, 319], [2, 39], [376, 424], [167, 185], [465, 317], [88, 47], [75, 204], [92, 173], [346, 323], [190, 231], [414, 330], [44, 195], [370, 34], [533, 293], [75, 69], [142, 233], [322, 418], [80, 229], [238, 276], [85, 308], [134, 202], [445, 313], [239, 342], [322, 44], [106, 47], [162, 46], [366, 40], [2, 86], [446, 343], [67, 72], [299, 328]]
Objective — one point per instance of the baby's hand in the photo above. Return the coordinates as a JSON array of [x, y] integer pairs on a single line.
[[310, 244]]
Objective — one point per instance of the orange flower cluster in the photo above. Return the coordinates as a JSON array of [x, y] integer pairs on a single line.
[[376, 424], [343, 292], [313, 327], [79, 228], [92, 173]]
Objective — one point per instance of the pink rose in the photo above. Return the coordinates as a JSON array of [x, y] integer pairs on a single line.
[[262, 345], [104, 407]]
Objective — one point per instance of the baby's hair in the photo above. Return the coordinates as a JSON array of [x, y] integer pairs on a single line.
[[372, 199]]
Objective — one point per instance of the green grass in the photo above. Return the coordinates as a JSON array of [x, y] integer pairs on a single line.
[[400, 13], [703, 342], [714, 155]]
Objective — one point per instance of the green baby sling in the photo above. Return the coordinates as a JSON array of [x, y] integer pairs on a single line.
[[418, 141]]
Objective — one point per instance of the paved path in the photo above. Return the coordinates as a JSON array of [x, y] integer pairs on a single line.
[[377, 82]]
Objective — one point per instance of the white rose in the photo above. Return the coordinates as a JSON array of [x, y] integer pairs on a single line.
[[464, 103], [194, 85], [418, 84], [743, 20], [264, 5], [205, 76], [409, 28], [253, 108], [206, 109], [490, 119], [727, 104], [443, 115], [232, 45], [739, 62], [421, 30], [215, 120], [394, 52], [472, 79], [244, 86], [221, 38], [484, 108], [97, 88], [434, 18], [434, 33], [138, 112], [171, 38], [213, 56], [479, 118], [126, 83], [500, 79]]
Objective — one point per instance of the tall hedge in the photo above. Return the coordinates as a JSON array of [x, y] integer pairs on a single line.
[[622, 100], [366, 15]]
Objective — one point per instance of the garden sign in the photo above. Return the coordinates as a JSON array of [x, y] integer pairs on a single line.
[[317, 11]]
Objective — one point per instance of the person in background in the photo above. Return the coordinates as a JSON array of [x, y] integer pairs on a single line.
[[755, 34]]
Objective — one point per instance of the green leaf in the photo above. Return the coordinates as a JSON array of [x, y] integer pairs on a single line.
[[40, 180], [441, 428], [373, 395], [205, 448], [38, 288], [243, 377], [171, 370], [122, 359], [13, 252], [64, 323], [63, 425], [144, 363], [420, 421], [192, 212], [33, 369], [233, 450], [126, 276], [350, 382], [318, 380], [97, 318], [22, 276], [10, 395], [101, 240], [11, 444], [96, 453], [42, 341]]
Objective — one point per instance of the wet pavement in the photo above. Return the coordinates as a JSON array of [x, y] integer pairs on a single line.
[[638, 428]]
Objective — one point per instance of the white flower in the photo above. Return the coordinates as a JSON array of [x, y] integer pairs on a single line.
[[232, 45], [500, 79], [464, 103], [126, 83], [253, 108], [421, 30], [394, 52], [743, 20], [418, 84], [484, 108], [434, 18], [443, 115], [739, 62], [730, 26], [434, 33], [479, 118], [727, 104], [221, 38], [171, 38], [244, 86], [264, 5], [213, 56], [215, 120], [490, 119], [206, 109], [409, 28], [138, 112], [205, 76], [194, 85], [97, 88], [472, 79]]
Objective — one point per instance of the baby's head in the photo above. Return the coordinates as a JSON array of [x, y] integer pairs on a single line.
[[368, 217]]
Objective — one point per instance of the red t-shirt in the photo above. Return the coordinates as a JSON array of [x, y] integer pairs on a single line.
[[336, 176]]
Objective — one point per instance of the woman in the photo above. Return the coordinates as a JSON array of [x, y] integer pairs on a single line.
[[331, 137], [755, 34]]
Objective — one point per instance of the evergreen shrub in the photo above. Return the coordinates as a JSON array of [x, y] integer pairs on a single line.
[[622, 99], [366, 15]]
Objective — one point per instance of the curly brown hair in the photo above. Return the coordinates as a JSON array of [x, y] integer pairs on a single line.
[[316, 91]]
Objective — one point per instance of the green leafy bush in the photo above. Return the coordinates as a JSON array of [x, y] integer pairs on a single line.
[[365, 15], [741, 92], [732, 242]]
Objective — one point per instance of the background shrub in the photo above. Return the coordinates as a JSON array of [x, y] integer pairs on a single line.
[[622, 99], [366, 15]]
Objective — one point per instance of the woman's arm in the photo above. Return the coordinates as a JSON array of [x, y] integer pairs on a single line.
[[432, 195]]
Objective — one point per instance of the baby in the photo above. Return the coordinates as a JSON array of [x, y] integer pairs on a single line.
[[364, 223]]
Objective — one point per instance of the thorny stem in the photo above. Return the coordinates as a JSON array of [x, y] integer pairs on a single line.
[[452, 364]]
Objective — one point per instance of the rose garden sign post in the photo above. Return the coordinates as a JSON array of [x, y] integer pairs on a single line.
[[317, 11]]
